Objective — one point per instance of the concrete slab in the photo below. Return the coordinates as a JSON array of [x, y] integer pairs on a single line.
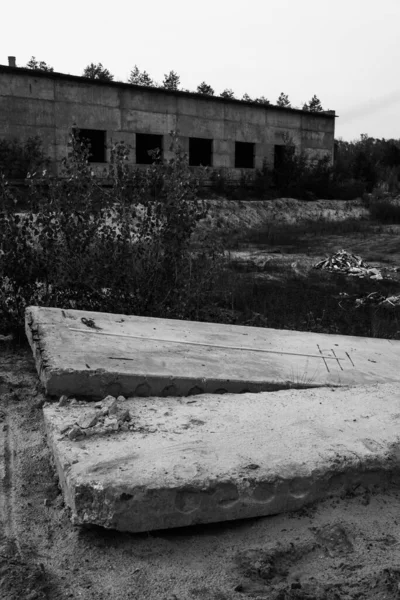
[[215, 458], [95, 354]]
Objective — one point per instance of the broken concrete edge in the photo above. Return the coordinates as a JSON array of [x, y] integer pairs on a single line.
[[98, 383], [188, 462], [32, 334], [113, 507]]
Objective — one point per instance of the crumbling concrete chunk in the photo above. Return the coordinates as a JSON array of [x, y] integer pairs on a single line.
[[123, 415], [75, 433], [63, 401], [111, 423], [113, 409], [66, 428], [109, 405], [89, 420]]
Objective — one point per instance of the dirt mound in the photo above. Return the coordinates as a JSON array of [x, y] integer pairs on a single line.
[[232, 215]]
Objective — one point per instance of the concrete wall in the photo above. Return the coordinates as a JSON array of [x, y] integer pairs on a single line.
[[49, 105]]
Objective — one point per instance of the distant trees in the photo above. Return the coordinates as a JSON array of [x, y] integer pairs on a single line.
[[283, 100], [138, 77], [38, 66], [314, 105], [171, 81], [98, 72], [227, 93], [205, 89]]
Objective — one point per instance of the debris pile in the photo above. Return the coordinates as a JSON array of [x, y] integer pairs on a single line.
[[108, 415], [350, 264], [376, 299]]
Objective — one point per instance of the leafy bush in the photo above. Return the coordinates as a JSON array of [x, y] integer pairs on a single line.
[[19, 159], [125, 249], [221, 182], [385, 208], [264, 182]]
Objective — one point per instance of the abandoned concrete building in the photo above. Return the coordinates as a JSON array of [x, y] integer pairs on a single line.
[[216, 132]]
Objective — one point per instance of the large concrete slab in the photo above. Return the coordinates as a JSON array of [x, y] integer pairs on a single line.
[[95, 354], [196, 460]]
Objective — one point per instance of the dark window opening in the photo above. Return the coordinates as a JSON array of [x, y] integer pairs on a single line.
[[200, 152], [146, 147], [244, 155], [95, 140], [279, 156]]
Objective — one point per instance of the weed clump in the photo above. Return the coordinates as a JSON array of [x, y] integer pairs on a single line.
[[384, 207]]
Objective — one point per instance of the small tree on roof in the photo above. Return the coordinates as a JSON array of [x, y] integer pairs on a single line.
[[38, 66], [138, 77], [98, 72], [262, 100], [315, 105], [227, 93], [283, 100], [205, 89], [171, 81]]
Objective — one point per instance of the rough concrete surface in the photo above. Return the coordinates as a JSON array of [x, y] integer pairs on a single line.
[[94, 354], [206, 459]]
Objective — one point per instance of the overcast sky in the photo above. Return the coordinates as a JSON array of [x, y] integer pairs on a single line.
[[347, 52]]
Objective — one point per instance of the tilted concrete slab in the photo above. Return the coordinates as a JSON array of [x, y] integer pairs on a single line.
[[95, 354], [208, 459]]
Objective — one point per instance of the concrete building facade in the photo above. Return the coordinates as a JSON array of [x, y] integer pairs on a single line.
[[216, 132]]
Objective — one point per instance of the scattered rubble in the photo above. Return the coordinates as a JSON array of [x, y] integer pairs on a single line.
[[108, 416], [374, 299], [75, 432], [350, 264], [63, 401]]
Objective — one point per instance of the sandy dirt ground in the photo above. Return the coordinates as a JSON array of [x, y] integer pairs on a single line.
[[338, 550]]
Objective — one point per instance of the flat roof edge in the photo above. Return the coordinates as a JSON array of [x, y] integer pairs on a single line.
[[181, 93]]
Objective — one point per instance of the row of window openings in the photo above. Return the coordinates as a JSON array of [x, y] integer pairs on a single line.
[[200, 149]]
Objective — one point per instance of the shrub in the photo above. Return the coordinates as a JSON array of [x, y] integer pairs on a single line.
[[20, 159], [264, 182], [125, 249], [384, 207], [220, 182]]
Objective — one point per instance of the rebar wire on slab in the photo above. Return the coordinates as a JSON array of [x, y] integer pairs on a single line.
[[246, 348]]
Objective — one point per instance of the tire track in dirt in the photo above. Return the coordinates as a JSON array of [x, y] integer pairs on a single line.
[[8, 452], [21, 576]]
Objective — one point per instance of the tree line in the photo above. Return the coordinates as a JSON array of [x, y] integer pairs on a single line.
[[172, 81]]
